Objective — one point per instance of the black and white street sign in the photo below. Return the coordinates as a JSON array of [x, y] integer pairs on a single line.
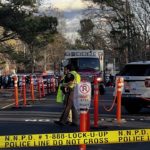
[[82, 96]]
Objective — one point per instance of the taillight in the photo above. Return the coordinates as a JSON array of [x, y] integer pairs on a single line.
[[147, 83], [98, 77]]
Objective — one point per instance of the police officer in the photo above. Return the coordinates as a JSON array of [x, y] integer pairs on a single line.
[[71, 79], [62, 95]]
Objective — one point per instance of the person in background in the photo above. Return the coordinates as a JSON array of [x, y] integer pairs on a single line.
[[111, 80], [71, 79], [0, 82]]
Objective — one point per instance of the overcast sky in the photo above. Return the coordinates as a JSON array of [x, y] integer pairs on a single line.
[[66, 5], [72, 9]]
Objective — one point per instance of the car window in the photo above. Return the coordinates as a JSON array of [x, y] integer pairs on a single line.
[[136, 70], [46, 77], [147, 72]]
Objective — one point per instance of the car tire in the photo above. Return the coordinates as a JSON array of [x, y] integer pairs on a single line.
[[133, 108], [102, 90]]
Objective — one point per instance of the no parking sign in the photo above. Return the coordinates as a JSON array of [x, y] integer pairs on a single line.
[[82, 96]]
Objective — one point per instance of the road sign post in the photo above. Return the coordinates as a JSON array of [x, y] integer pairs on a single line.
[[82, 101]]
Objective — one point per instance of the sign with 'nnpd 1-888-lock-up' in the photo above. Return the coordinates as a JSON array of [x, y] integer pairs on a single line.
[[82, 96]]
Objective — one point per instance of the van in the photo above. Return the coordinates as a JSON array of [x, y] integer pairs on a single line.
[[136, 90], [89, 64]]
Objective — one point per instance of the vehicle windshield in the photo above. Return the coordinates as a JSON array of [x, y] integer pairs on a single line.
[[86, 63], [136, 70]]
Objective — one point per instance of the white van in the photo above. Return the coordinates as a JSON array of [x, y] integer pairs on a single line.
[[89, 64], [136, 90]]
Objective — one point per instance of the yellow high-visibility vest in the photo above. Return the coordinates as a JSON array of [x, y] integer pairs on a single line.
[[77, 78], [60, 95]]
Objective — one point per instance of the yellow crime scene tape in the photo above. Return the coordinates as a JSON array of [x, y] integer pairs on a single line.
[[75, 138]]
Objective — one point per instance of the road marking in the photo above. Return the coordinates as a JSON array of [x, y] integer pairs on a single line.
[[4, 107], [37, 120], [12, 104], [30, 120], [102, 119], [44, 120], [50, 120]]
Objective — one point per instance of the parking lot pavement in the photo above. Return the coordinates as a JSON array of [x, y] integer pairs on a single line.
[[7, 98], [4, 103]]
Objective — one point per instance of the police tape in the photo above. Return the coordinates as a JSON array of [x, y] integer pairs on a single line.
[[75, 138]]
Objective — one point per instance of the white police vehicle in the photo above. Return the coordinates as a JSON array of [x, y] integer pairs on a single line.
[[136, 90]]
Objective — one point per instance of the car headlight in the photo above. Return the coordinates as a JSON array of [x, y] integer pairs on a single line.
[[99, 79]]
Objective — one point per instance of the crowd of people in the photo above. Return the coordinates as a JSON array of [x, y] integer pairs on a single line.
[[6, 81]]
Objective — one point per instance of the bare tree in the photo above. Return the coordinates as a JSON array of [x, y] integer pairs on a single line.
[[53, 52], [126, 25], [141, 10]]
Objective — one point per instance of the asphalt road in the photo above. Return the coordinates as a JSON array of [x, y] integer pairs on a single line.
[[38, 118]]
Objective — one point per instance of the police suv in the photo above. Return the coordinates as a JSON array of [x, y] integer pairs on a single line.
[[136, 90]]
